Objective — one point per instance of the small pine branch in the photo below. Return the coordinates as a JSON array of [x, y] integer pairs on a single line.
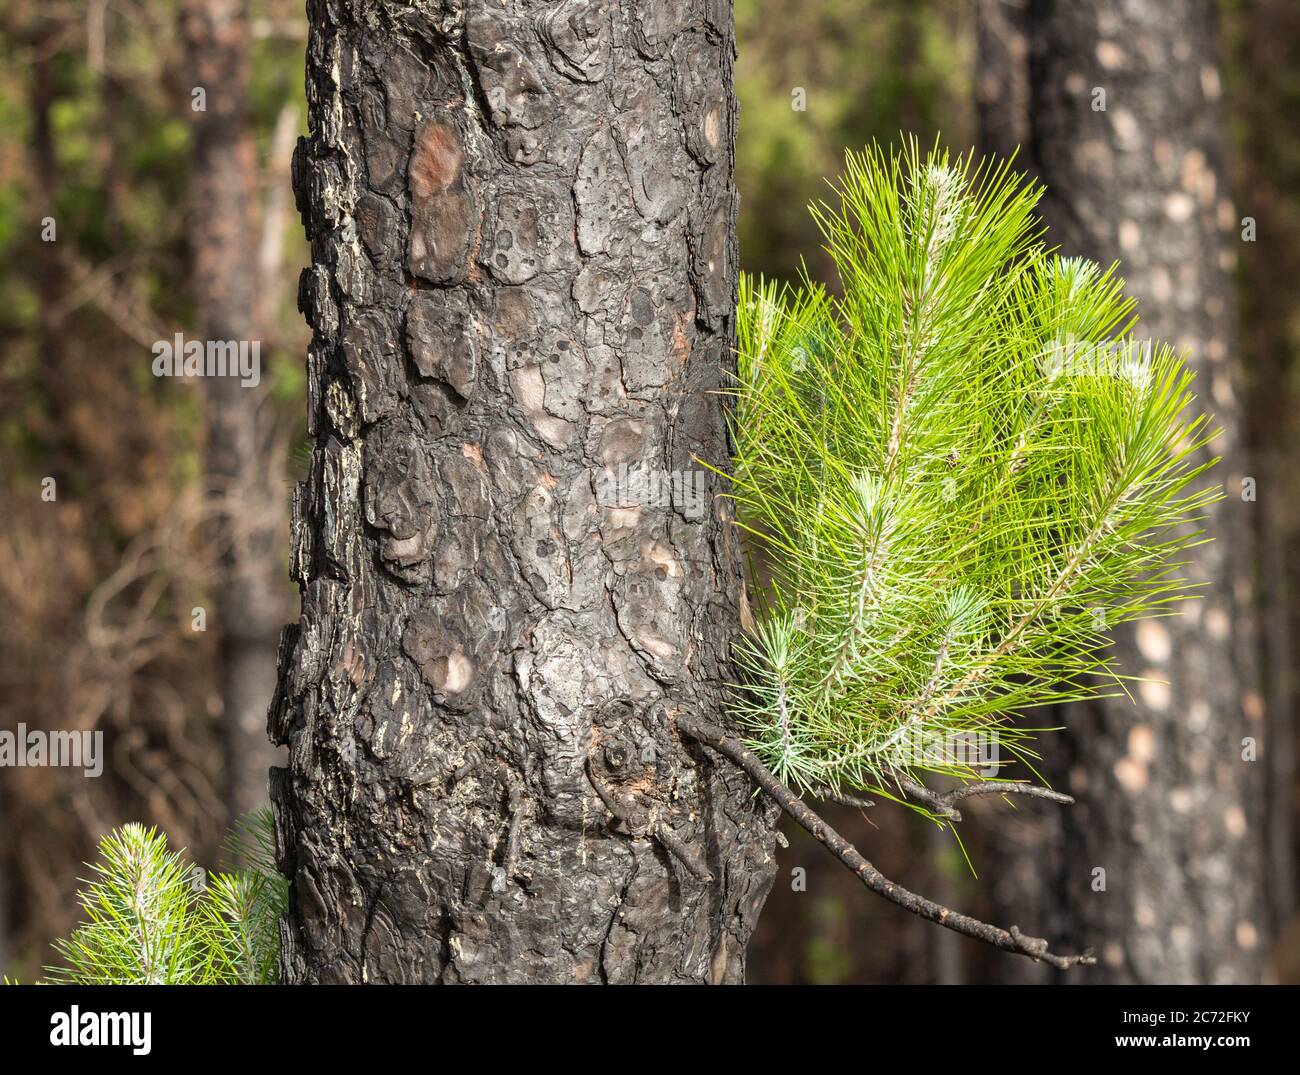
[[947, 468], [246, 905], [153, 918], [139, 905]]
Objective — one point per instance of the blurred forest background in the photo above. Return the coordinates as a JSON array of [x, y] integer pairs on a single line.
[[146, 598]]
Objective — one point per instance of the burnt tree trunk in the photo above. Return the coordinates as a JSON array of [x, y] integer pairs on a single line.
[[248, 607], [1168, 807], [1025, 847], [515, 569], [1267, 106]]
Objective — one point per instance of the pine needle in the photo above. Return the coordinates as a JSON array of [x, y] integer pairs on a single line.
[[959, 470]]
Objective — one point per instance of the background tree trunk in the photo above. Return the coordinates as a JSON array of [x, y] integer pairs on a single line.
[[1266, 35], [1002, 90], [1026, 846], [1167, 805], [241, 464], [524, 268]]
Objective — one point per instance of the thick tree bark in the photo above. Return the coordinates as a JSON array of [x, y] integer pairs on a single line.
[[524, 268], [1002, 90], [247, 601], [1267, 35], [1167, 806]]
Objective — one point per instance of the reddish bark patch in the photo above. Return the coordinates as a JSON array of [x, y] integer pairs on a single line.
[[437, 161]]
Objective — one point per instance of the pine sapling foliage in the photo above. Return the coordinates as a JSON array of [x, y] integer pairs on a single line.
[[956, 472], [153, 918]]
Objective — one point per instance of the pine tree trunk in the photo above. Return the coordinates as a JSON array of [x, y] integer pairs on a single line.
[[247, 601], [1267, 36], [522, 286], [1167, 806], [1025, 846], [51, 275]]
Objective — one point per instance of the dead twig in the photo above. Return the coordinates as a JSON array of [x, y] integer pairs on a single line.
[[1009, 940], [639, 822], [942, 804], [833, 795]]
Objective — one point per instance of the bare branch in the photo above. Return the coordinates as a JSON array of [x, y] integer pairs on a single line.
[[1009, 940], [502, 875], [833, 795], [942, 804], [682, 853], [639, 822]]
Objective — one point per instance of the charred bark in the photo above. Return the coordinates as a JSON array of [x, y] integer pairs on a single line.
[[515, 568], [1167, 806], [1002, 90], [1267, 40]]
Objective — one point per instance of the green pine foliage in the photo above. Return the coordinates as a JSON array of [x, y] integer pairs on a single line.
[[957, 470], [153, 918]]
